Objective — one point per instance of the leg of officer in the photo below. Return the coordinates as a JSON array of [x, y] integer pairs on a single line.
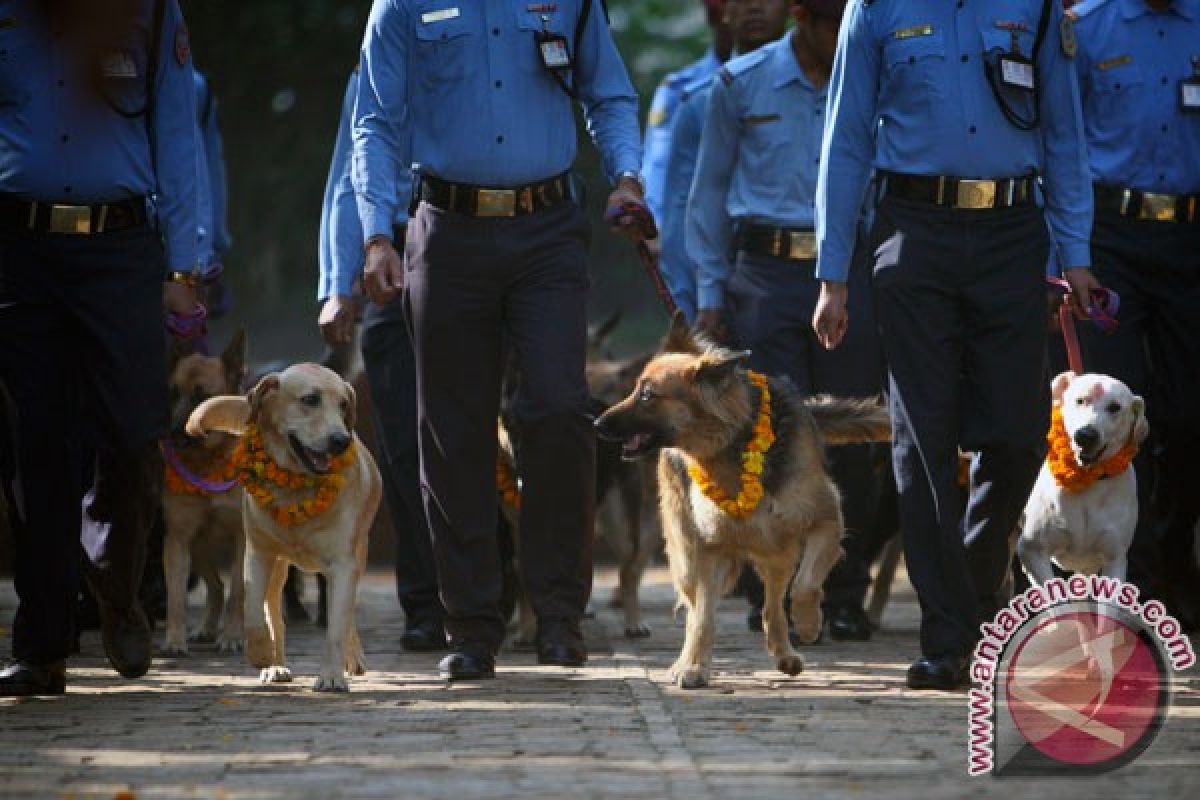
[[1006, 400], [546, 316], [43, 470], [454, 280], [392, 374], [917, 260]]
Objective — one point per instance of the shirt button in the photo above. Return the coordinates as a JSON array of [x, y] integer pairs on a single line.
[[499, 84], [820, 111], [964, 58], [1164, 80], [495, 31], [67, 189], [1164, 128], [499, 140], [60, 84], [65, 137], [971, 129]]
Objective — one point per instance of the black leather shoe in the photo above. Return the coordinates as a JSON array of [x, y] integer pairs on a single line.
[[126, 636], [23, 679], [561, 653], [467, 667], [849, 624], [943, 673], [424, 638]]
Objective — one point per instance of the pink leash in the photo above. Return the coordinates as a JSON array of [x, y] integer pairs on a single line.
[[1102, 311]]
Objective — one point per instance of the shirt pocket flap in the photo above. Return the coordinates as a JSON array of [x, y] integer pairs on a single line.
[[913, 49], [1117, 78], [438, 23], [997, 40]]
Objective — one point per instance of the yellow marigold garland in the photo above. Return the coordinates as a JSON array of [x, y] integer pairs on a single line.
[[257, 472], [1067, 471], [750, 493], [506, 482]]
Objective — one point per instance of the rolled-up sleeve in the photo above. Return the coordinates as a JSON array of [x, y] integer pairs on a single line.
[[848, 145], [174, 144], [340, 250], [610, 105], [709, 229]]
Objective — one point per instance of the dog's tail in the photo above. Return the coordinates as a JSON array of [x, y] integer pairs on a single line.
[[228, 413], [846, 421]]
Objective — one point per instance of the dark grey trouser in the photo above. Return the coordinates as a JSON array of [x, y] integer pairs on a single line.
[[771, 303], [960, 297], [471, 284], [392, 374], [1155, 268]]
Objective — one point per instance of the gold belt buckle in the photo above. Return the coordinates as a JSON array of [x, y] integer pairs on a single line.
[[496, 203], [802, 245], [976, 194], [70, 219], [1157, 207]]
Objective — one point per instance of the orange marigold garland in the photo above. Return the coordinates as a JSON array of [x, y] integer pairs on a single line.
[[750, 493], [1067, 471], [506, 483], [259, 475]]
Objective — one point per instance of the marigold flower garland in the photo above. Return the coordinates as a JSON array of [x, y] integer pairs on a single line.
[[506, 483], [258, 473], [750, 493], [1067, 471]]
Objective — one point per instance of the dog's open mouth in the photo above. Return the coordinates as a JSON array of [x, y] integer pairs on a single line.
[[1089, 456], [638, 445], [313, 460]]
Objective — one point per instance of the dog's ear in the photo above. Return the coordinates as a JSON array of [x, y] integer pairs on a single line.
[[233, 358], [633, 368], [679, 337], [717, 366], [351, 413], [1059, 386], [258, 395], [1141, 428], [227, 413]]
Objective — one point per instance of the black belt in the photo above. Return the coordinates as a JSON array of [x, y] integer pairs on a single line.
[[32, 215], [483, 201], [796, 244], [1148, 205], [968, 193]]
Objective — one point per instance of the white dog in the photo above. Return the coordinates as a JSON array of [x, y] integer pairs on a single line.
[[1086, 526]]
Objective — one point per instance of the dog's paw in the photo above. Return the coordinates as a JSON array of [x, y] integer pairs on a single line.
[[806, 626], [229, 644], [260, 650], [331, 683], [790, 665], [276, 674], [174, 647], [693, 677], [638, 631], [355, 665], [202, 637]]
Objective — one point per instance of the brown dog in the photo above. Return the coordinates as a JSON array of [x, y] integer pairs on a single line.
[[303, 419], [695, 404], [201, 505]]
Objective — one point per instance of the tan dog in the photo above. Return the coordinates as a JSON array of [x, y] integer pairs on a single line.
[[697, 405], [305, 417], [201, 507]]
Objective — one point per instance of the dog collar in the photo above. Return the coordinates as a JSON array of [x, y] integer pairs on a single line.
[[199, 483]]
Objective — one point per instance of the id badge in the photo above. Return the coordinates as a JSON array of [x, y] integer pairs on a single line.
[[553, 50], [1016, 72], [1189, 94]]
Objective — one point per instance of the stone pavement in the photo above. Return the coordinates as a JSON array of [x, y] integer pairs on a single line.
[[846, 728]]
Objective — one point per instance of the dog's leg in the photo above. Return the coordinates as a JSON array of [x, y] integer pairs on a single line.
[[881, 589], [176, 563], [340, 581], [775, 577], [356, 660], [1035, 559], [822, 549], [693, 668], [1115, 567], [260, 648], [233, 633], [633, 566], [278, 671], [204, 560]]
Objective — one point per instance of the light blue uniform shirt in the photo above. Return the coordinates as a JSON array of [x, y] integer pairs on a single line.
[[212, 189], [758, 159], [908, 94], [460, 87], [61, 142], [1131, 60], [677, 266], [340, 249], [660, 121]]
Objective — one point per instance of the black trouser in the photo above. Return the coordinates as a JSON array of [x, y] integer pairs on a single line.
[[771, 303], [1155, 350], [960, 297], [392, 375], [80, 350], [471, 284]]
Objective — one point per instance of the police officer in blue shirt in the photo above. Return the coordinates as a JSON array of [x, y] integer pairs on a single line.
[[660, 120], [392, 375], [97, 209], [959, 107], [752, 197], [1139, 78], [481, 97], [750, 31]]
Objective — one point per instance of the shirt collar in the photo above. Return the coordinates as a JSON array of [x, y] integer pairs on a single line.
[[784, 66], [1132, 9]]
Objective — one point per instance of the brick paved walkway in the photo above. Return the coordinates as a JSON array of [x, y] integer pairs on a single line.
[[203, 727]]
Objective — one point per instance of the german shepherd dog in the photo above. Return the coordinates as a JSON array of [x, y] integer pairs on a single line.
[[694, 404], [205, 517]]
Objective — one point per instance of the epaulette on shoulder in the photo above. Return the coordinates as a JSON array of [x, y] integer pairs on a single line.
[[696, 85], [742, 64], [1083, 8]]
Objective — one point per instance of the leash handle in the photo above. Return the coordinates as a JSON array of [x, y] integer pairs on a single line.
[[1102, 308], [637, 215], [187, 326]]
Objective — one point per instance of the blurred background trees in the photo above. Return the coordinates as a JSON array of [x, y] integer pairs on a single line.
[[279, 68]]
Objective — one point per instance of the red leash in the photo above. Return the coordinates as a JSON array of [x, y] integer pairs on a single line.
[[637, 215], [1102, 310]]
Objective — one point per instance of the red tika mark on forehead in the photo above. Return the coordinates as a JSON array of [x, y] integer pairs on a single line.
[[1097, 391], [308, 366]]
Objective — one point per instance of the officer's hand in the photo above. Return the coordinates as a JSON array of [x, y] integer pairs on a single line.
[[336, 320], [830, 319], [1083, 283], [711, 322], [383, 274], [179, 298], [627, 213]]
